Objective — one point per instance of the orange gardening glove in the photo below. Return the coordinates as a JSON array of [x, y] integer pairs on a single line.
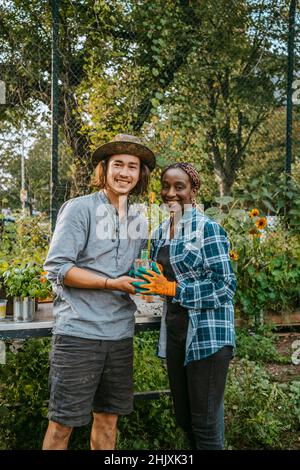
[[156, 282]]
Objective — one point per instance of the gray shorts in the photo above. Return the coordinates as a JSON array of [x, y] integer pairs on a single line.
[[89, 375]]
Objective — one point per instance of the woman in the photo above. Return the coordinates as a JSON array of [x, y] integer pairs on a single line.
[[192, 269]]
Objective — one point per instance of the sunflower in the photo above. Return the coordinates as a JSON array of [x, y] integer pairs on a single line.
[[233, 255], [261, 223], [253, 213]]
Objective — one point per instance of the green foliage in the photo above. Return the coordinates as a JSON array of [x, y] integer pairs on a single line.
[[293, 389], [128, 63], [26, 281], [266, 260], [23, 251], [259, 414], [26, 240], [37, 163], [279, 197], [258, 345], [151, 426], [8, 239], [24, 394], [150, 372]]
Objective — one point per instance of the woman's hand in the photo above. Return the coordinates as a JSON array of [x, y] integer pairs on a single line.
[[154, 282], [123, 283]]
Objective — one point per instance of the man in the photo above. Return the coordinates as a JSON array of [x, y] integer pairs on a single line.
[[92, 250]]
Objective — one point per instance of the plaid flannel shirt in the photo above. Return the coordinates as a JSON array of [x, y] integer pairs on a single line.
[[199, 255]]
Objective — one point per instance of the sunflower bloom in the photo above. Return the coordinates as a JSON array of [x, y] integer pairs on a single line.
[[233, 255], [261, 223], [253, 213]]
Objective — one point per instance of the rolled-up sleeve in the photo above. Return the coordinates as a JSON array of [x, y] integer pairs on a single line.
[[68, 240], [216, 283]]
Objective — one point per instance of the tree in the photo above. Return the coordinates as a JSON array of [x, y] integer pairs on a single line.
[[208, 69], [35, 145], [26, 65]]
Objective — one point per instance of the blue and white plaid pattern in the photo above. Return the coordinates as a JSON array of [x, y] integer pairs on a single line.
[[199, 255]]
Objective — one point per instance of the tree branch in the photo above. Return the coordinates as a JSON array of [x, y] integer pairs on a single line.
[[168, 74]]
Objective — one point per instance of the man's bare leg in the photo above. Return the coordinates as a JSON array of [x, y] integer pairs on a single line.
[[57, 436], [104, 431]]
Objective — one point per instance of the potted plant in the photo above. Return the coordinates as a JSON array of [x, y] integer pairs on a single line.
[[3, 294], [25, 284], [45, 293]]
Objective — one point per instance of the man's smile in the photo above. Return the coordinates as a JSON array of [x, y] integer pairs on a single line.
[[120, 181]]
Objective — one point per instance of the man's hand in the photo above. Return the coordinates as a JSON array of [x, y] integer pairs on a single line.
[[123, 283]]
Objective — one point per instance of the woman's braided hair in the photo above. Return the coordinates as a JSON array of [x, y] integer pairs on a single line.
[[189, 169]]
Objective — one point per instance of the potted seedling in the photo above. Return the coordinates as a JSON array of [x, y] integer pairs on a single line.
[[144, 261], [25, 284]]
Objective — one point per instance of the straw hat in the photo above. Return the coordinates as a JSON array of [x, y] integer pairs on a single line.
[[125, 144]]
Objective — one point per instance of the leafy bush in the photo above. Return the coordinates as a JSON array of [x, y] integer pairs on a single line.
[[266, 260], [152, 424], [277, 196], [23, 249], [258, 345], [259, 414], [149, 370], [24, 399], [26, 281], [24, 394], [26, 240]]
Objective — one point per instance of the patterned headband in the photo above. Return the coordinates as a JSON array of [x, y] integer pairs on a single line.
[[189, 169]]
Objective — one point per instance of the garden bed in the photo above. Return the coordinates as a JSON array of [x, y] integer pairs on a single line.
[[289, 371], [284, 319]]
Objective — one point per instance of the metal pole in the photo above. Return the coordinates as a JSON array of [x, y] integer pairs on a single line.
[[54, 119], [23, 191], [289, 93]]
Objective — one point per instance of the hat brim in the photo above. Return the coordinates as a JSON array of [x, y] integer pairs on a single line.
[[129, 148]]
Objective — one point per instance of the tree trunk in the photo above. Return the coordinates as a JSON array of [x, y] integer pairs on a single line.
[[81, 178], [79, 144], [225, 186]]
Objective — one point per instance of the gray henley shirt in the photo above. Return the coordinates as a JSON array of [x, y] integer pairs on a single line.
[[90, 235]]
